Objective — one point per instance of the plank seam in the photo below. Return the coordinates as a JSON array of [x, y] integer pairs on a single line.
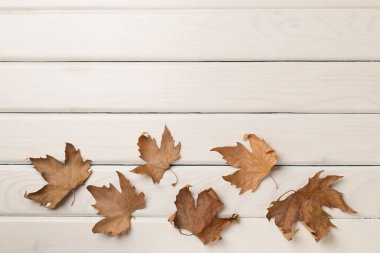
[[179, 61], [126, 9], [180, 113], [214, 165], [153, 217], [121, 8]]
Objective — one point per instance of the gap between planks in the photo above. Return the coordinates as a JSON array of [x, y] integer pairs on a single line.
[[193, 113], [188, 4], [188, 61]]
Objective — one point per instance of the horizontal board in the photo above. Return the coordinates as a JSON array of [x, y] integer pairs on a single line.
[[185, 35], [326, 87], [157, 235], [359, 186], [187, 4], [300, 139]]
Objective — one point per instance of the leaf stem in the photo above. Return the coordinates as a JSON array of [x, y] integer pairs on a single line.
[[72, 203], [180, 231], [273, 180], [176, 178], [285, 193]]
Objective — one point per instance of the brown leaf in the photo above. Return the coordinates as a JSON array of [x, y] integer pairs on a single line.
[[254, 166], [158, 159], [305, 205], [62, 178], [201, 219], [116, 206]]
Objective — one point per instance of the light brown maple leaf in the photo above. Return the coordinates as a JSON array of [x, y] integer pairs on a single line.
[[62, 178], [116, 206], [305, 205], [158, 159], [254, 166], [201, 220]]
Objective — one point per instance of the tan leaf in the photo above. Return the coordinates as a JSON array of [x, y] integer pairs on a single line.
[[305, 205], [253, 166], [201, 220], [116, 206], [62, 178], [158, 159]]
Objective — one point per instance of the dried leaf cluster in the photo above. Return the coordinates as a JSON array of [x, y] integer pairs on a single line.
[[201, 218]]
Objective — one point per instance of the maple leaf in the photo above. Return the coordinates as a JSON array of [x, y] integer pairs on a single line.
[[253, 166], [116, 206], [158, 159], [201, 220], [305, 205], [62, 178]]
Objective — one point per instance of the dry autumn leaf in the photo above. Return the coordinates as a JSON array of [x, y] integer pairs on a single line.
[[62, 178], [158, 159], [116, 206], [253, 166], [201, 219], [305, 205]]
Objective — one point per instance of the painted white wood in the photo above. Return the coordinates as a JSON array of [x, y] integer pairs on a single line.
[[300, 139], [189, 30], [187, 4], [166, 87], [61, 235], [357, 183], [144, 35]]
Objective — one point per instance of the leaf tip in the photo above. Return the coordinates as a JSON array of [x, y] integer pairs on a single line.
[[89, 187], [246, 137], [289, 235], [144, 134], [172, 217]]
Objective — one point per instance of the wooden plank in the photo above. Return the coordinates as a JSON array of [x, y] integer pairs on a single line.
[[188, 4], [157, 235], [183, 35], [308, 87], [357, 183], [300, 139]]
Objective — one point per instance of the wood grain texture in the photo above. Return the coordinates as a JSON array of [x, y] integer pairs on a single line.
[[307, 87], [185, 35], [147, 63], [185, 4], [357, 182], [61, 235], [300, 139]]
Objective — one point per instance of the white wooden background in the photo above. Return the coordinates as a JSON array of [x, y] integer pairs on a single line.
[[303, 74]]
